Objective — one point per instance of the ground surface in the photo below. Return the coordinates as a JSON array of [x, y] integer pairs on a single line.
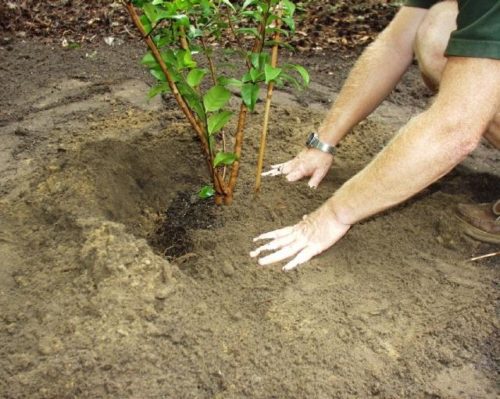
[[95, 187]]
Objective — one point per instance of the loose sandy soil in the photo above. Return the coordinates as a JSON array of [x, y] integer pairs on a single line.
[[97, 184]]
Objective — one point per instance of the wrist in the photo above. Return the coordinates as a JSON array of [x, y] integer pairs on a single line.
[[313, 141], [330, 135], [340, 212], [334, 127]]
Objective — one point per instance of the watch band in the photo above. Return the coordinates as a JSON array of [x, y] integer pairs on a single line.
[[313, 141]]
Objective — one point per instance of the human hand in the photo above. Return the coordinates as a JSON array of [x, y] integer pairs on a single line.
[[314, 234], [309, 162]]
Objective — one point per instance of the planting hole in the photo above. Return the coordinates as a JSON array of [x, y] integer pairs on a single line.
[[186, 213]]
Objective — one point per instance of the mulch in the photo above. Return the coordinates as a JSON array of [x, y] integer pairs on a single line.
[[322, 25]]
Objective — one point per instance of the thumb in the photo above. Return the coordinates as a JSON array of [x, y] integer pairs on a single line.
[[317, 176]]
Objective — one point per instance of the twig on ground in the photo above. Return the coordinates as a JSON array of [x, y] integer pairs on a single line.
[[484, 256]]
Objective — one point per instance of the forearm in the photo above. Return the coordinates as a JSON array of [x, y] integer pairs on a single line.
[[429, 146], [374, 76], [368, 84], [405, 167]]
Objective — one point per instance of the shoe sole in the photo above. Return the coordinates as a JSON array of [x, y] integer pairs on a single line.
[[479, 234]]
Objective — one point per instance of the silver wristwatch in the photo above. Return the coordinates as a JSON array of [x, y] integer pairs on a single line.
[[313, 141]]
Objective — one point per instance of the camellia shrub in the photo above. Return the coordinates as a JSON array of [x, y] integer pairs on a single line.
[[181, 36]]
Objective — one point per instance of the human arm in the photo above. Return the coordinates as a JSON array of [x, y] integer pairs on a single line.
[[374, 76], [428, 147]]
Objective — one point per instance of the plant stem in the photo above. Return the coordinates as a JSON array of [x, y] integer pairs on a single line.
[[270, 88], [173, 87], [182, 37], [219, 185], [240, 130], [264, 22], [237, 150], [213, 74], [211, 65], [261, 39], [237, 38]]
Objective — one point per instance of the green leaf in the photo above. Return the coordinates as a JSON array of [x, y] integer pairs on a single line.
[[149, 61], [289, 21], [222, 80], [263, 59], [250, 95], [224, 158], [164, 39], [181, 19], [155, 13], [255, 15], [228, 3], [150, 12], [303, 72], [184, 59], [195, 76], [217, 121], [248, 31], [206, 192], [170, 58], [289, 8], [271, 73], [255, 60], [246, 78], [192, 98], [216, 98], [146, 24], [158, 74], [247, 3], [284, 77], [158, 89], [194, 32], [255, 75]]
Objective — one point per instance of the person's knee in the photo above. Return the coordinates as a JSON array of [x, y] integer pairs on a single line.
[[432, 38]]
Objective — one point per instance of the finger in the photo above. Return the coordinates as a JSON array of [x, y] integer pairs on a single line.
[[272, 172], [306, 254], [317, 176], [275, 234], [283, 253], [278, 165], [275, 244], [287, 167], [295, 175]]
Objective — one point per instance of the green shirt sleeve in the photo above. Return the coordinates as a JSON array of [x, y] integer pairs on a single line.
[[421, 3]]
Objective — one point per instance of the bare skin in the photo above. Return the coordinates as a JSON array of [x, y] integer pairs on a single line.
[[441, 137], [361, 93]]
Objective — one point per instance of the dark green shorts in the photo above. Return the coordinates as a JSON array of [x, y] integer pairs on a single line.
[[478, 28]]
